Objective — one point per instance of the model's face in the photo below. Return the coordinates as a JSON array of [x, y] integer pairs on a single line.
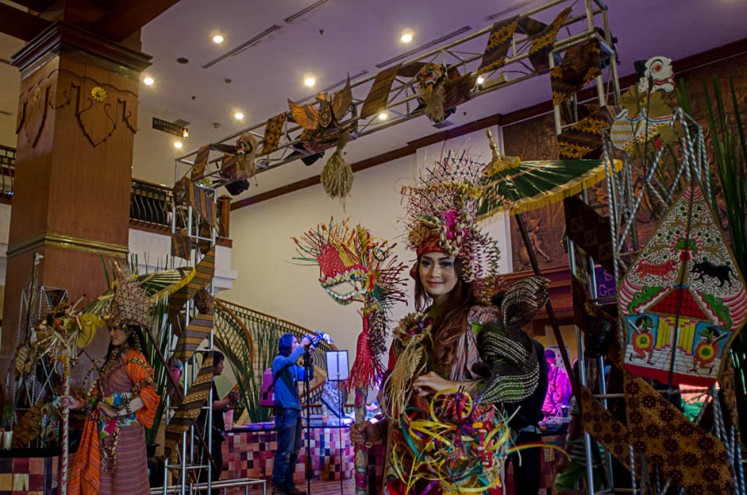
[[294, 344], [218, 367], [118, 336], [438, 275]]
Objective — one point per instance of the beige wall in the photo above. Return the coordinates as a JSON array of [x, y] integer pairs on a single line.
[[270, 282]]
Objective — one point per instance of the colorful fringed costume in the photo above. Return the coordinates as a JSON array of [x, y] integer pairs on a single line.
[[111, 458], [428, 443]]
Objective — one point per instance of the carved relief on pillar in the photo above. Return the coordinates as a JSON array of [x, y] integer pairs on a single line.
[[33, 107], [100, 109]]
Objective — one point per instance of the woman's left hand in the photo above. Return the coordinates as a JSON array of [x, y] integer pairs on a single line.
[[431, 383], [106, 409]]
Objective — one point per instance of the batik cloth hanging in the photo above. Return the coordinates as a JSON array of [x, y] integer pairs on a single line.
[[581, 64], [379, 94], [190, 408], [273, 132], [544, 41], [498, 44], [201, 160], [181, 245], [584, 138], [684, 453], [683, 300]]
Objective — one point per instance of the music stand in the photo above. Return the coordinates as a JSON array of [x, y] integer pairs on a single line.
[[337, 371]]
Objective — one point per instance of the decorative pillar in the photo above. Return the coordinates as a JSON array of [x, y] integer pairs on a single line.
[[77, 119]]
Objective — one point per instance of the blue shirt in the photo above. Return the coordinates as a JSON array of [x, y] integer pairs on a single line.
[[286, 385]]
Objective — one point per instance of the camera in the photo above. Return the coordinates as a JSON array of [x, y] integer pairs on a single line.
[[319, 336]]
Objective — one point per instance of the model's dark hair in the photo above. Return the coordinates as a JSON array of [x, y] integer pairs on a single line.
[[451, 323], [135, 340], [218, 357], [285, 343]]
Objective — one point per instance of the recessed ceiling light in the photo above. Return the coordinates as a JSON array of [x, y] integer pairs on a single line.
[[309, 81], [218, 39], [238, 116], [480, 80], [383, 116], [178, 145], [148, 81], [406, 36]]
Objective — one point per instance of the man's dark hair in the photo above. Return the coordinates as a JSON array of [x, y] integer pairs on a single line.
[[285, 343]]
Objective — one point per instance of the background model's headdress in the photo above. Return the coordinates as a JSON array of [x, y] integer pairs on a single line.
[[441, 212], [130, 304]]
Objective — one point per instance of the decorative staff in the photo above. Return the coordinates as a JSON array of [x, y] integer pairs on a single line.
[[351, 259]]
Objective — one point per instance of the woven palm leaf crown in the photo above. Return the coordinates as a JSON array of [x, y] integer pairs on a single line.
[[130, 305], [441, 210]]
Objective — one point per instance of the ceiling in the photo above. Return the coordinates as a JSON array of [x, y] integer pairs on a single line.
[[337, 38]]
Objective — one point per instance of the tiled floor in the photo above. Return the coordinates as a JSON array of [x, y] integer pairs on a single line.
[[317, 488]]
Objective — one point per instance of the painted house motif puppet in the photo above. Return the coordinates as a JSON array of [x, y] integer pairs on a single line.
[[683, 299]]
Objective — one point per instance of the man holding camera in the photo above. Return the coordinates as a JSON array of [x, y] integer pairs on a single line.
[[287, 373]]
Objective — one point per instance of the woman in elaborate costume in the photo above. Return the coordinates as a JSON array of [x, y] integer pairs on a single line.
[[121, 402], [455, 361]]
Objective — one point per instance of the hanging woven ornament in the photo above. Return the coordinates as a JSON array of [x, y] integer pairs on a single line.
[[337, 174]]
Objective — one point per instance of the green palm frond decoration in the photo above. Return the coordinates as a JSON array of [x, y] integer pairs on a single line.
[[727, 130]]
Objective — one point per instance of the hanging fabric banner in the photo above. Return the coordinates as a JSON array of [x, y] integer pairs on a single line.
[[584, 138], [581, 64], [379, 94], [201, 160], [273, 132], [499, 41]]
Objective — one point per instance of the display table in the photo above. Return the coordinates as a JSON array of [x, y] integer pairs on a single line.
[[249, 452], [29, 472]]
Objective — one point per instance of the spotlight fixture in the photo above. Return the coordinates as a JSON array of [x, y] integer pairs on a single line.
[[406, 36], [148, 81], [238, 116], [218, 39], [309, 81], [178, 145], [383, 116], [480, 80]]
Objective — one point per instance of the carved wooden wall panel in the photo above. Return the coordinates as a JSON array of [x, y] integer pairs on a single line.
[[534, 139]]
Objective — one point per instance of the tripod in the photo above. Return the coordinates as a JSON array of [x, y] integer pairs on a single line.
[[337, 366], [308, 376]]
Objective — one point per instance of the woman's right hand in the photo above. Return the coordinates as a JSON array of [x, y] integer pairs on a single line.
[[70, 402], [363, 433]]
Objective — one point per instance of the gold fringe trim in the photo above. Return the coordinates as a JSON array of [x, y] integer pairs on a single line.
[[557, 194], [167, 291]]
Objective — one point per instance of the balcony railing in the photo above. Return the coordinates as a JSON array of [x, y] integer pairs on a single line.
[[7, 171], [151, 205]]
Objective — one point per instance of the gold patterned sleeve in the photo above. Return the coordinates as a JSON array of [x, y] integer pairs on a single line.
[[141, 375]]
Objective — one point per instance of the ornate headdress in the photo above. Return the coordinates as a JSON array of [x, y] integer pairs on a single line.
[[130, 305], [441, 213]]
